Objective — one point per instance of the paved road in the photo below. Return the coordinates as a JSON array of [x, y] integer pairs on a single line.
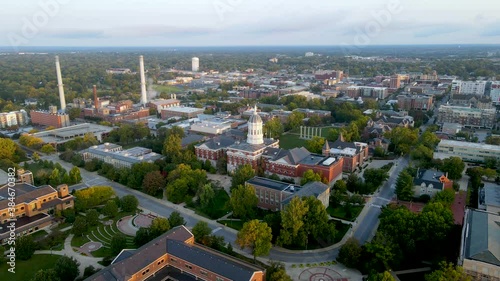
[[363, 231]]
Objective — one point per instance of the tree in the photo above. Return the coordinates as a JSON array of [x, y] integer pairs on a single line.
[[454, 166], [384, 252], [89, 271], [340, 186], [295, 120], [257, 236], [309, 176], [206, 195], [67, 268], [138, 172], [80, 226], [92, 217], [2, 257], [386, 276], [292, 220], [446, 197], [110, 209], [277, 272], [25, 247], [7, 148], [241, 175], [74, 175], [429, 140], [201, 231], [404, 186], [46, 275], [175, 219], [177, 190], [448, 272], [243, 201], [316, 222], [172, 148], [402, 139], [118, 243], [273, 128], [93, 196], [159, 226], [315, 145], [55, 177], [47, 149], [129, 203], [375, 177], [36, 157], [423, 154], [153, 183], [142, 236], [350, 253]]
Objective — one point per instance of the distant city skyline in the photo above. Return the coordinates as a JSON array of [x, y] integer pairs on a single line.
[[242, 22]]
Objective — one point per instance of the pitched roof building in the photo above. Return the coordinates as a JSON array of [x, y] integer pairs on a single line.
[[175, 256], [353, 153]]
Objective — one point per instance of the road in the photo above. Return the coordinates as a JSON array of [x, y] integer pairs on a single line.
[[363, 231]]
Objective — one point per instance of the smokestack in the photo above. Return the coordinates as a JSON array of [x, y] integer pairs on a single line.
[[96, 102], [62, 99], [144, 95]]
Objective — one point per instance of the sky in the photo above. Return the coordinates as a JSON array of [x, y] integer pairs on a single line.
[[248, 22]]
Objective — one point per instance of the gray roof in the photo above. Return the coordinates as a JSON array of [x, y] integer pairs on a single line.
[[292, 156], [482, 242], [210, 260], [314, 188], [492, 194], [252, 147], [272, 184], [428, 177], [219, 142]]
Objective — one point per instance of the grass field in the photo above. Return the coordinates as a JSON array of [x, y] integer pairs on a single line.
[[232, 224], [167, 89], [339, 212], [291, 139], [25, 270]]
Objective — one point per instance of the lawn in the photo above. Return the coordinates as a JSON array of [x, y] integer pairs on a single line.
[[341, 231], [26, 269], [78, 241], [289, 141], [238, 225], [340, 213], [39, 234], [167, 89]]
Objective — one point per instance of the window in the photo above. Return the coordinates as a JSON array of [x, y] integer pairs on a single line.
[[203, 272], [22, 208], [219, 279], [189, 266], [173, 260]]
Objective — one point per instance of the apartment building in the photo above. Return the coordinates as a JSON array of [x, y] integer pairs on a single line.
[[175, 256], [13, 118], [495, 92], [469, 87], [466, 116], [33, 205], [368, 92], [468, 151], [415, 102]]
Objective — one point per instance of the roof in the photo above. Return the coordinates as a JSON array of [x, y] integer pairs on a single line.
[[272, 184], [217, 143], [314, 188], [291, 156], [24, 193], [3, 177], [24, 221], [132, 155], [211, 260], [482, 237], [244, 146], [492, 194], [469, 145], [183, 109], [458, 207], [430, 177], [125, 267]]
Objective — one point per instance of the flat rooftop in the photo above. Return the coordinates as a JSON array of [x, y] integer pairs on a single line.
[[64, 134], [183, 109], [492, 194], [468, 145], [272, 184]]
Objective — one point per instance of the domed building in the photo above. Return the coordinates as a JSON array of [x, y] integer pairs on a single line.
[[249, 152]]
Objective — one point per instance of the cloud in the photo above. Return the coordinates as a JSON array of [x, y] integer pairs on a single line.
[[76, 34], [436, 30], [491, 30]]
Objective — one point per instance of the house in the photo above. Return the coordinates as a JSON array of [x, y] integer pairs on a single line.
[[175, 256], [430, 182]]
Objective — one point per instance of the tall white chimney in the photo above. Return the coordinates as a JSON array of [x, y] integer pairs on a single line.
[[60, 85], [144, 94]]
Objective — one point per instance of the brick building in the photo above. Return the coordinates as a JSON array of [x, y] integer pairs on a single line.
[[33, 205], [354, 154], [467, 117], [175, 256], [50, 118], [415, 102]]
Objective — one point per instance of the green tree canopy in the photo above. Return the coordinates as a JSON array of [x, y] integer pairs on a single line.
[[243, 201], [176, 219], [241, 175], [315, 145], [350, 253], [67, 268], [404, 186], [257, 236], [129, 203], [118, 243], [454, 166], [153, 183], [25, 247], [448, 272], [159, 226], [310, 176], [201, 231], [292, 221]]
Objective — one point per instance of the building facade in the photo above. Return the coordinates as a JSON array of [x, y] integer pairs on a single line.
[[354, 154], [33, 205], [115, 155], [175, 256], [14, 118], [467, 151], [466, 116], [415, 102], [495, 92], [469, 87], [179, 111], [50, 118]]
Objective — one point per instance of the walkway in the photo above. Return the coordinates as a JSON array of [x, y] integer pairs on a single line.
[[68, 251]]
